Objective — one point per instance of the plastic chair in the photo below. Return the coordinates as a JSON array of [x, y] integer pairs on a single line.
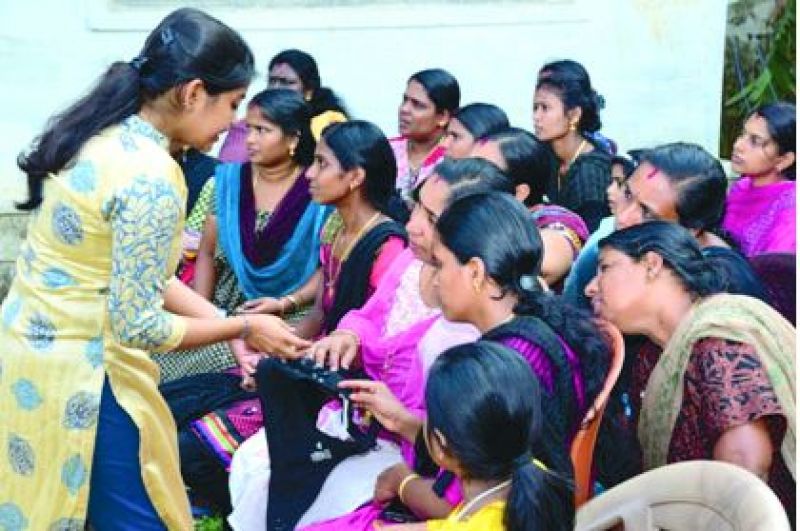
[[582, 448], [707, 495]]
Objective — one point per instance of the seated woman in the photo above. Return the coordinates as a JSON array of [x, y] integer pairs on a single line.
[[484, 416], [294, 70], [354, 171], [527, 162], [429, 101], [585, 265], [491, 282], [721, 383], [470, 124], [566, 115], [760, 212], [395, 337], [261, 237]]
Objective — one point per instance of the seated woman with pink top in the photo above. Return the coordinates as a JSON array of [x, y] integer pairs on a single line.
[[395, 337], [760, 211], [429, 101]]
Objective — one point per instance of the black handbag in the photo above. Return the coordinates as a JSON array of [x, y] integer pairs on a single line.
[[301, 456]]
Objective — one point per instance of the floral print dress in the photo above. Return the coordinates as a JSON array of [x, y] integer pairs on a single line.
[[85, 306]]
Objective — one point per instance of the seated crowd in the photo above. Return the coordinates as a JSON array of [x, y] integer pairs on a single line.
[[424, 324], [513, 240]]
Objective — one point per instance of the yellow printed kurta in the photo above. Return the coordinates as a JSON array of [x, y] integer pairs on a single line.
[[86, 303]]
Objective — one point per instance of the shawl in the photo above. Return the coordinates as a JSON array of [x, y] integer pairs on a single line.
[[296, 261], [734, 318], [762, 218]]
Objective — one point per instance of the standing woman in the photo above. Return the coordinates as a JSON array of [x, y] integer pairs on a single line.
[[565, 115], [294, 70], [87, 436], [429, 101], [760, 212]]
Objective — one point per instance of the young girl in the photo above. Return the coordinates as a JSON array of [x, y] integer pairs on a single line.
[[760, 211], [470, 124], [492, 283], [89, 436], [566, 115], [484, 414], [261, 237]]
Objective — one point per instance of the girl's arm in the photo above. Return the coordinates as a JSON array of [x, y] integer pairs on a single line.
[[205, 276]]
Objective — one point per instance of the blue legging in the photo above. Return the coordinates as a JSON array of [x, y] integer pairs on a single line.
[[117, 498]]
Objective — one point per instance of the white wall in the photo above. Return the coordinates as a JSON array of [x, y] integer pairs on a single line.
[[658, 63]]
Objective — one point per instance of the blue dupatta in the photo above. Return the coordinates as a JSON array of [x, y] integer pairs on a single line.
[[295, 263]]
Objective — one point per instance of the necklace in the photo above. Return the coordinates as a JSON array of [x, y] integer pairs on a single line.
[[332, 272], [482, 496], [571, 161]]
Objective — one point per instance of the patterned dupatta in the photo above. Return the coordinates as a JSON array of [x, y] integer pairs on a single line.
[[730, 317]]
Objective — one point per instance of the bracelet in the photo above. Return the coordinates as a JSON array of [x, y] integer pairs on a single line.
[[294, 302], [245, 327], [404, 484], [282, 310]]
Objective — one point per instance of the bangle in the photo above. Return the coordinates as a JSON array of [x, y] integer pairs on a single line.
[[404, 484], [245, 327], [282, 311], [294, 302]]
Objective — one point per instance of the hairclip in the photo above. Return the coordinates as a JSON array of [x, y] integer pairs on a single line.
[[652, 173], [527, 282], [138, 62]]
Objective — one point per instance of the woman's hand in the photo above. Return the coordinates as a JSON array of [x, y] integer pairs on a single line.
[[336, 350], [389, 481], [247, 360], [272, 336], [376, 397], [268, 305]]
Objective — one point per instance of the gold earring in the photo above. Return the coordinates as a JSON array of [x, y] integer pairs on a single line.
[[476, 287], [291, 151], [573, 126]]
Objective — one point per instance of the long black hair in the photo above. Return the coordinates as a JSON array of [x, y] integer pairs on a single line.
[[287, 109], [781, 118], [361, 144], [570, 81], [527, 160], [472, 175], [482, 119], [188, 44], [499, 230], [699, 181], [486, 402], [322, 98], [700, 275], [442, 88]]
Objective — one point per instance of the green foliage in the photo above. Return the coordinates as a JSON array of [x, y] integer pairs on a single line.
[[766, 80], [208, 523]]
